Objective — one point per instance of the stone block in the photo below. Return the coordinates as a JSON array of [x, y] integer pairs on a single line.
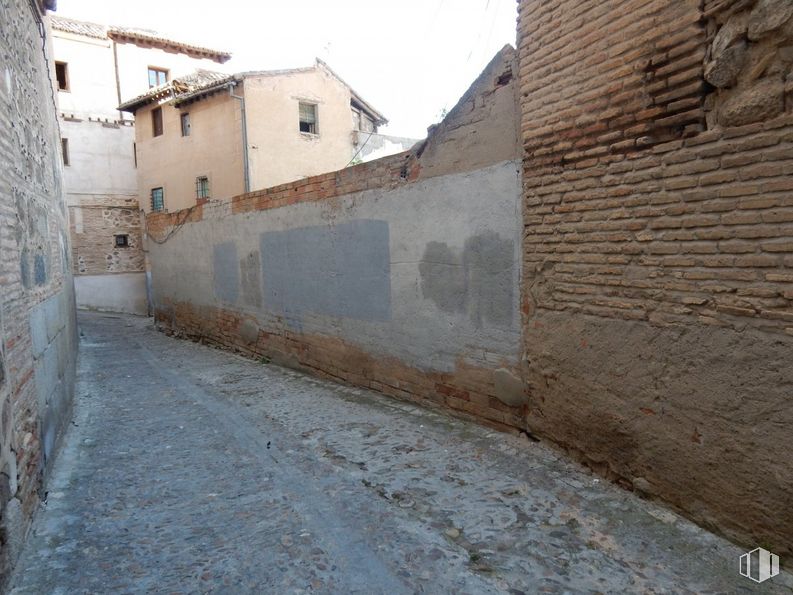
[[760, 101], [733, 30], [767, 16], [724, 69]]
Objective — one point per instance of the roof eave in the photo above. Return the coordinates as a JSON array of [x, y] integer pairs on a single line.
[[165, 44], [377, 117]]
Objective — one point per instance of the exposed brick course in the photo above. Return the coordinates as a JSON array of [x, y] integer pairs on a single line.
[[467, 390], [649, 224]]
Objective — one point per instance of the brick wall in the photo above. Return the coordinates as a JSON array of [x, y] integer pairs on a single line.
[[657, 256], [37, 325]]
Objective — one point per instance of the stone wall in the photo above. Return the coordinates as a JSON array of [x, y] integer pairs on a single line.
[[108, 276], [399, 275], [37, 324], [658, 259], [95, 223]]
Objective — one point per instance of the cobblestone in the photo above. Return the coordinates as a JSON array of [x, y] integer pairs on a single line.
[[192, 470]]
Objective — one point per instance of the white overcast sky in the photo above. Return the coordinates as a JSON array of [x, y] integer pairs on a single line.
[[408, 58]]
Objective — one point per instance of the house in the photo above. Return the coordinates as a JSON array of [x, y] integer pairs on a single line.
[[213, 136], [95, 66]]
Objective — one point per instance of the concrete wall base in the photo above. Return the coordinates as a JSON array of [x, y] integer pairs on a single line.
[[125, 292]]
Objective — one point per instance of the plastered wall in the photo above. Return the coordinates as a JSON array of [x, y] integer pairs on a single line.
[[386, 275], [173, 162]]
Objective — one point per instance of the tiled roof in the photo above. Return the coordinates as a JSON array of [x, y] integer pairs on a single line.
[[78, 27], [134, 35], [182, 88], [204, 82], [154, 38]]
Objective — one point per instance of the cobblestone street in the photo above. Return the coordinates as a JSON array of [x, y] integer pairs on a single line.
[[188, 469]]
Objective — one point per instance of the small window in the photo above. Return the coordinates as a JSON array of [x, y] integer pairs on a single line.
[[185, 124], [308, 118], [122, 241], [157, 76], [157, 199], [135, 153], [62, 75], [202, 187], [65, 150], [156, 121]]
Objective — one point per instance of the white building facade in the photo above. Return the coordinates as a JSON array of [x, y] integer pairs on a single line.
[[95, 67]]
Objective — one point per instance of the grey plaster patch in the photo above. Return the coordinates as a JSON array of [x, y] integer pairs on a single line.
[[251, 274], [226, 274], [478, 282], [509, 388], [442, 277], [340, 270]]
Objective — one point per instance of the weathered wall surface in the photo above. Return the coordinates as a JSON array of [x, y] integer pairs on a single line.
[[172, 161], [108, 277], [382, 275], [273, 122], [37, 325], [99, 178], [657, 254]]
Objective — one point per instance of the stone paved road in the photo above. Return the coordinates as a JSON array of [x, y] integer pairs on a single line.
[[191, 470]]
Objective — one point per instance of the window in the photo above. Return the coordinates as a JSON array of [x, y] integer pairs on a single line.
[[65, 150], [122, 241], [157, 76], [185, 124], [308, 118], [135, 153], [62, 76], [157, 199], [202, 187], [156, 121]]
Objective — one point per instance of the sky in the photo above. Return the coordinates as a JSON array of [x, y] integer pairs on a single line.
[[410, 59]]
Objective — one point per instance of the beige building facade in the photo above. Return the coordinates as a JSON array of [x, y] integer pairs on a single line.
[[96, 65], [212, 136]]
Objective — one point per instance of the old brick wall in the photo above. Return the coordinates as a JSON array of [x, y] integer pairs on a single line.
[[400, 274], [95, 223], [658, 249], [37, 324]]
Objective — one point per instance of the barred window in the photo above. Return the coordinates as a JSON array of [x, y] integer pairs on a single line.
[[157, 199], [202, 187], [308, 118]]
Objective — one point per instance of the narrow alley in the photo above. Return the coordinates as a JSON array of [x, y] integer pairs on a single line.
[[189, 469]]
